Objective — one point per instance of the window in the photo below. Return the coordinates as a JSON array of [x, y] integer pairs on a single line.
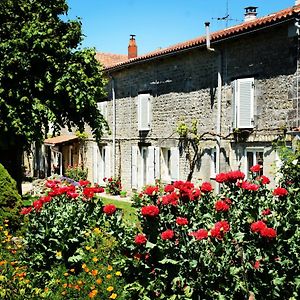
[[144, 112], [254, 156], [101, 166], [170, 164], [102, 107], [213, 163], [243, 103]]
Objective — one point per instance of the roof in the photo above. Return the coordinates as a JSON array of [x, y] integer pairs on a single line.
[[110, 59], [248, 26], [60, 139]]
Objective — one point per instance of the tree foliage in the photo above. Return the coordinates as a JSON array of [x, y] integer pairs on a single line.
[[44, 76]]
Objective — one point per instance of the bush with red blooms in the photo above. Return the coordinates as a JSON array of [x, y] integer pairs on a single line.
[[113, 185], [58, 221], [196, 244]]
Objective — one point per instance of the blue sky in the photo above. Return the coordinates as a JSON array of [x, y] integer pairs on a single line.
[[107, 24]]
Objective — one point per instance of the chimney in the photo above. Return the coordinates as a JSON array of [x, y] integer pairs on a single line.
[[132, 47], [250, 13]]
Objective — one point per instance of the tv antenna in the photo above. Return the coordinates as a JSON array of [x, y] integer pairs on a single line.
[[226, 18]]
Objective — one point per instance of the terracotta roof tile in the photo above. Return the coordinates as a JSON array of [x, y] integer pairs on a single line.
[[109, 59], [215, 36], [60, 139]]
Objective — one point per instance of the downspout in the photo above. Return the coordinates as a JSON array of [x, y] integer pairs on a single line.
[[219, 102], [114, 125]]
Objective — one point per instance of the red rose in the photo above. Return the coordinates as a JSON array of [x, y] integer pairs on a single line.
[[280, 192], [249, 186], [256, 265], [196, 193], [266, 212], [110, 179], [38, 204], [222, 177], [109, 209], [258, 226], [151, 190], [26, 210], [167, 235], [50, 184], [264, 179], [150, 211], [72, 195], [206, 187], [45, 199], [140, 239], [221, 206], [256, 168], [199, 234], [181, 221], [169, 188], [83, 182], [268, 233], [219, 229], [88, 192], [98, 189], [233, 176], [104, 179]]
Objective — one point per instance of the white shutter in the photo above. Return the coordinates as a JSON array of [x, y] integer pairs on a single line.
[[144, 111], [102, 107], [245, 103], [134, 167], [151, 165], [174, 163], [234, 104], [95, 162], [156, 162], [107, 162]]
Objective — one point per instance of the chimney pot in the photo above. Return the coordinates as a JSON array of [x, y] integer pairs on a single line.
[[132, 47], [250, 13]]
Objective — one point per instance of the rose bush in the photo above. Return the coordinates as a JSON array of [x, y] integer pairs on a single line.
[[193, 243]]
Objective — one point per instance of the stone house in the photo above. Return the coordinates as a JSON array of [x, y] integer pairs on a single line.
[[240, 84]]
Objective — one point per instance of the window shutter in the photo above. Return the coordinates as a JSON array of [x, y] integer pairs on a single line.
[[95, 162], [107, 161], [174, 163], [134, 167], [151, 165], [102, 107], [234, 104], [144, 111], [245, 103], [156, 162]]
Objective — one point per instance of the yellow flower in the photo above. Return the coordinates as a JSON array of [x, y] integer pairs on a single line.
[[66, 274], [113, 296], [118, 273], [110, 288], [97, 230], [109, 268], [83, 266], [87, 248], [108, 276], [79, 282], [65, 285], [92, 250], [72, 270], [95, 259], [64, 293], [58, 254], [99, 281]]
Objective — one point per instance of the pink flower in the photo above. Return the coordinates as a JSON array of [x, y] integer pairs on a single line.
[[26, 210], [200, 234], [140, 239], [258, 226], [256, 168], [109, 209], [167, 235], [181, 221], [280, 192], [206, 187], [221, 206], [150, 211], [268, 233]]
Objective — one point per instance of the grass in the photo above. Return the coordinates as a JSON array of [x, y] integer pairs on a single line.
[[129, 211]]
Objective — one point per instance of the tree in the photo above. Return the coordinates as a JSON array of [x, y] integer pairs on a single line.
[[44, 77]]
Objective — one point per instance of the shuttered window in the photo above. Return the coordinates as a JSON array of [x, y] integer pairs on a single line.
[[102, 107], [144, 112], [243, 103]]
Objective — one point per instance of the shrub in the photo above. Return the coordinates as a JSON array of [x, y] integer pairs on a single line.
[[193, 243], [10, 200], [113, 186], [76, 173]]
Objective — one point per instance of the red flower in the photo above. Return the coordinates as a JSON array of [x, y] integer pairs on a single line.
[[167, 235], [219, 229], [280, 192], [221, 206], [72, 195], [169, 199], [264, 179], [206, 187], [181, 221], [38, 204], [110, 179], [249, 186], [98, 189], [266, 212], [140, 239], [256, 168], [83, 182], [256, 265], [199, 234], [150, 211], [104, 179], [88, 192], [50, 184], [169, 188], [268, 233], [222, 177], [26, 210], [151, 190], [45, 199], [196, 193], [258, 226], [109, 209], [233, 176]]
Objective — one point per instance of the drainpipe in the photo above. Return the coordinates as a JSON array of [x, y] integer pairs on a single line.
[[219, 102], [114, 125]]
